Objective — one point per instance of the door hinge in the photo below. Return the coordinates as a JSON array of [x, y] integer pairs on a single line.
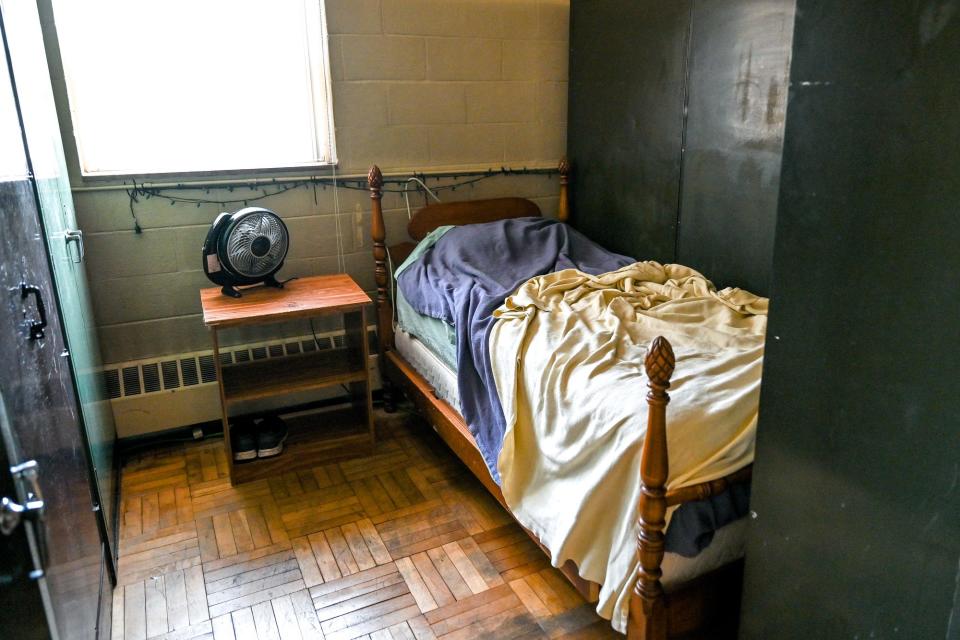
[[75, 235]]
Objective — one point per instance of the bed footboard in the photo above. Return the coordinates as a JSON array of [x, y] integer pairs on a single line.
[[648, 610]]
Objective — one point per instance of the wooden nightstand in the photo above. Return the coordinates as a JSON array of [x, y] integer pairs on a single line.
[[314, 439]]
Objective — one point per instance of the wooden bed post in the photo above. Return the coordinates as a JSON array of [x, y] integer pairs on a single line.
[[648, 613], [563, 209], [378, 231]]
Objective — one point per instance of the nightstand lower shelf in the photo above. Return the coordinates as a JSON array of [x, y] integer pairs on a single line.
[[292, 374]]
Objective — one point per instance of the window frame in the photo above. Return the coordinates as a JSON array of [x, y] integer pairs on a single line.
[[71, 143]]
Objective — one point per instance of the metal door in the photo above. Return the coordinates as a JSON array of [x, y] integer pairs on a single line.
[[40, 418], [64, 240]]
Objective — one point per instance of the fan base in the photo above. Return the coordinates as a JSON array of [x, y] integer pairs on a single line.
[[269, 281], [227, 290]]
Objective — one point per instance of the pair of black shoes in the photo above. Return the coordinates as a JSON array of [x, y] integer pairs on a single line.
[[258, 439]]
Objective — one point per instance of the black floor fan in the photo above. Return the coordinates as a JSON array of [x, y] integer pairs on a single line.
[[244, 248]]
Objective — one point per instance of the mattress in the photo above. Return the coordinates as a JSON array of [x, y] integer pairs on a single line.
[[437, 373], [728, 542]]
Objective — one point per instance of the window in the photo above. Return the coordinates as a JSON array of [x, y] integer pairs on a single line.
[[13, 162], [178, 86]]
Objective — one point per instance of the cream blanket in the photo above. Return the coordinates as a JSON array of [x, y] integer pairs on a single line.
[[567, 354]]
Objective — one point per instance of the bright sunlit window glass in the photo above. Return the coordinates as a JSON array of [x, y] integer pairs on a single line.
[[13, 161], [178, 86]]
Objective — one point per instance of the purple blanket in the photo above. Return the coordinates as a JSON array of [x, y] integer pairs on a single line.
[[467, 274]]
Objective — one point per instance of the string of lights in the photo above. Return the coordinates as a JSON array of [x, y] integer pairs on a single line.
[[244, 194]]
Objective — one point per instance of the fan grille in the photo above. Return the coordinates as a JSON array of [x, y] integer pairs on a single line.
[[257, 227]]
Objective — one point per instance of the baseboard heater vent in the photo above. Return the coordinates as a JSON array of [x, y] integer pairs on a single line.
[[166, 374], [180, 390]]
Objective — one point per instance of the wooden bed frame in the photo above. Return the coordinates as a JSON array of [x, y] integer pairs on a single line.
[[654, 614]]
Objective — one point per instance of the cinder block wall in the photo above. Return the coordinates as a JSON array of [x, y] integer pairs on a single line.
[[417, 85]]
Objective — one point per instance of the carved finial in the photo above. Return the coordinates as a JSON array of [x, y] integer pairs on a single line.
[[660, 362], [375, 178], [563, 208]]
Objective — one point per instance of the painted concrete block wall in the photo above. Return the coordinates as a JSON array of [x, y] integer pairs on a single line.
[[417, 85]]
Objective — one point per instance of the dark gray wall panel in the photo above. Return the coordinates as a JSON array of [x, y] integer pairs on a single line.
[[857, 479], [737, 99], [625, 121], [645, 171]]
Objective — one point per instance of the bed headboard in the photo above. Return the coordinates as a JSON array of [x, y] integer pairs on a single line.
[[436, 215]]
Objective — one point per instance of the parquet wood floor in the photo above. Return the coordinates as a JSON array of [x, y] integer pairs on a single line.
[[401, 544]]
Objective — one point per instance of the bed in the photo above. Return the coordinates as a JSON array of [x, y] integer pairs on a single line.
[[671, 596]]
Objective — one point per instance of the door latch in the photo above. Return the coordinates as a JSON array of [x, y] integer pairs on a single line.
[[11, 512], [36, 327]]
